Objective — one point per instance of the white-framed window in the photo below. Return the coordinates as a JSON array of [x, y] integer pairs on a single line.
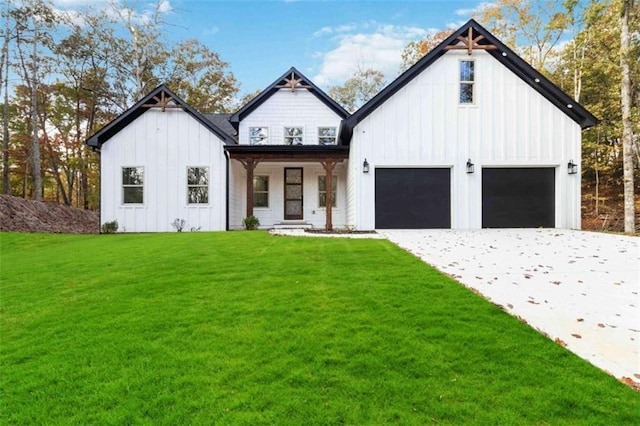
[[133, 185], [261, 191], [467, 82], [197, 185], [293, 135], [258, 135], [322, 191], [327, 135]]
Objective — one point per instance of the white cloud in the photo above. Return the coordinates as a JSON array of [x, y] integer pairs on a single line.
[[379, 48], [474, 11], [211, 31]]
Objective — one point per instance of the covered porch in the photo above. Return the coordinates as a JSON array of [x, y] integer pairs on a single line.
[[290, 184]]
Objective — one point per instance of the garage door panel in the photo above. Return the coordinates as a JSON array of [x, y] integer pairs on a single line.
[[518, 197], [413, 198]]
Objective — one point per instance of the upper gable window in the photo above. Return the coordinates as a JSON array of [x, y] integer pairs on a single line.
[[327, 135], [258, 135], [467, 82], [293, 135]]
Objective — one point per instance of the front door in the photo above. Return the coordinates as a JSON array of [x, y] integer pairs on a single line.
[[293, 193]]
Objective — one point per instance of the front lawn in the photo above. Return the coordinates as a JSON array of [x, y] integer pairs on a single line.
[[247, 328]]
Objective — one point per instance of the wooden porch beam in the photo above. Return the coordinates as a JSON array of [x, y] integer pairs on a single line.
[[328, 166], [249, 165]]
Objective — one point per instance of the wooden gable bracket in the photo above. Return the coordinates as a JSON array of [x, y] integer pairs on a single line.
[[293, 83], [162, 102], [470, 43]]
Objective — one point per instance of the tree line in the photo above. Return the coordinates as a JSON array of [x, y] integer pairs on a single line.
[[72, 74]]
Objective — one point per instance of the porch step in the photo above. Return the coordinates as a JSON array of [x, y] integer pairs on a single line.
[[292, 224]]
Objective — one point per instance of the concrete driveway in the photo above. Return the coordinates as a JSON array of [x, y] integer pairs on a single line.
[[582, 289]]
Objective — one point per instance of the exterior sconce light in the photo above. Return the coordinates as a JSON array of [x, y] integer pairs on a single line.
[[470, 166], [365, 166], [572, 167]]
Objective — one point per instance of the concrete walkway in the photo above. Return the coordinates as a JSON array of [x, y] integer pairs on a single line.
[[582, 289]]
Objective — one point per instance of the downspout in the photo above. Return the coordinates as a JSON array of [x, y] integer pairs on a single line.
[[226, 155], [97, 150]]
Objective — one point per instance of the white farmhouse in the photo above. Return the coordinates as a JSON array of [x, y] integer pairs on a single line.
[[469, 137]]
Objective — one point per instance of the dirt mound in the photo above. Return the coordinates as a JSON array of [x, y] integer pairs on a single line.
[[20, 215]]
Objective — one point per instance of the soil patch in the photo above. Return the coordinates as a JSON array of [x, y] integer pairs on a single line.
[[21, 215]]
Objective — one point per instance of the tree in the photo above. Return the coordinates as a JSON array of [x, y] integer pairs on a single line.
[[536, 26], [4, 82], [146, 50], [415, 50], [627, 129], [357, 90], [201, 77], [33, 18]]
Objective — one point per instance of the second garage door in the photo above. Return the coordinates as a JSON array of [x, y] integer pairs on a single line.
[[413, 198], [518, 197]]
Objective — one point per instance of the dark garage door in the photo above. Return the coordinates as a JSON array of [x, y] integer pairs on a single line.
[[518, 198], [413, 198]]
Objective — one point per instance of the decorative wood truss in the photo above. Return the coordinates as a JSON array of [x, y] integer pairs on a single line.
[[469, 43], [163, 102], [293, 82]]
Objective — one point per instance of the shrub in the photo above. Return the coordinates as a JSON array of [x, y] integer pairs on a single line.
[[250, 223], [179, 224], [109, 227]]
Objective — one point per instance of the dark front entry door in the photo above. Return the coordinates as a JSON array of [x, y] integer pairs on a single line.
[[293, 193]]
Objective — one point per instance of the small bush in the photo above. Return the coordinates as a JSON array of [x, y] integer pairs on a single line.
[[179, 224], [109, 227], [250, 223]]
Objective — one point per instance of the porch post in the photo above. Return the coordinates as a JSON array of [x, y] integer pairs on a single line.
[[328, 168], [249, 166]]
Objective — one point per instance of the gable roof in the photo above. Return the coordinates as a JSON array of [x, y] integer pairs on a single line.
[[284, 80], [155, 97], [502, 54]]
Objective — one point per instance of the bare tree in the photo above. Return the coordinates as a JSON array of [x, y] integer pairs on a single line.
[[627, 127], [4, 80]]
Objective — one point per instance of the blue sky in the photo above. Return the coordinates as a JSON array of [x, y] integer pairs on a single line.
[[326, 40]]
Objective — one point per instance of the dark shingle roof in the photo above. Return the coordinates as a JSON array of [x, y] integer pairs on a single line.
[[222, 122]]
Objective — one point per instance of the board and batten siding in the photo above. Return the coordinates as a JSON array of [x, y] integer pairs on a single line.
[[509, 125], [164, 144], [286, 108]]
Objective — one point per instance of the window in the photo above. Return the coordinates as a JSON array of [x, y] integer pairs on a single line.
[[197, 185], [467, 80], [261, 191], [132, 185], [258, 135], [293, 135], [322, 191], [327, 135]]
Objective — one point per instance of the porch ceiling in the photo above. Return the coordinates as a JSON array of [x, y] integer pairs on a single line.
[[283, 153]]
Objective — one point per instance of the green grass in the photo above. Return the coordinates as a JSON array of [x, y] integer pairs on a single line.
[[246, 328]]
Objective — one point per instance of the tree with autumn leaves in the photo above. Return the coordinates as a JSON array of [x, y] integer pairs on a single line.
[[75, 74]]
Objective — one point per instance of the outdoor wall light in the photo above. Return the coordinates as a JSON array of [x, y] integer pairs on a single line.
[[365, 166], [572, 167], [470, 166]]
